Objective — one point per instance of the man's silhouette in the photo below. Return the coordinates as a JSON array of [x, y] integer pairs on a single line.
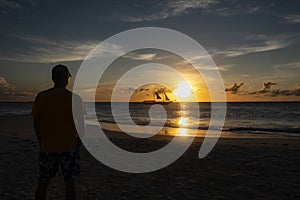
[[56, 132]]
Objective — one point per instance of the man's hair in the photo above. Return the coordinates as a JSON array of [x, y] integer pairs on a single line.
[[60, 73]]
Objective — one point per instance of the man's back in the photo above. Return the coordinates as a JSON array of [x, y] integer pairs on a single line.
[[53, 110], [55, 129]]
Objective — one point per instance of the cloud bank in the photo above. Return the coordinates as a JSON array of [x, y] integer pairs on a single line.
[[234, 87], [7, 89], [266, 90]]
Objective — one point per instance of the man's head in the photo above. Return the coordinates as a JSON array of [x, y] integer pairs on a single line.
[[61, 75]]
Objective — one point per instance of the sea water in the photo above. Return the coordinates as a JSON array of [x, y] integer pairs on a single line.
[[254, 117]]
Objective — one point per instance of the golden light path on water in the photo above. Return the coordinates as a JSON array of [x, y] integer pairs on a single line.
[[182, 132], [183, 122]]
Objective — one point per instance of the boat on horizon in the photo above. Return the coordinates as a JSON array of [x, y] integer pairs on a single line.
[[159, 98]]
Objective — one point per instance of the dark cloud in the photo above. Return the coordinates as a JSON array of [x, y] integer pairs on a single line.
[[7, 6], [265, 88], [144, 90], [268, 85], [154, 89], [234, 87], [286, 92]]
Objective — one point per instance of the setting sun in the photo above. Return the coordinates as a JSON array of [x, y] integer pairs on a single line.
[[183, 90]]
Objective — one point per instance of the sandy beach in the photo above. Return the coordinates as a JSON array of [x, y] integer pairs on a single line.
[[253, 167]]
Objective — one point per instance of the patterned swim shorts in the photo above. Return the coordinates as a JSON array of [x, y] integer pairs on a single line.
[[68, 161]]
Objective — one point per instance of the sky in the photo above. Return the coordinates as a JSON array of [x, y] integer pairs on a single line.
[[255, 45]]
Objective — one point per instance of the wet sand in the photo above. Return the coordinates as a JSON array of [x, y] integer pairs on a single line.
[[238, 168]]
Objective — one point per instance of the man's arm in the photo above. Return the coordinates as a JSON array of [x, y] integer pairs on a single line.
[[79, 119], [35, 112], [81, 125], [36, 125]]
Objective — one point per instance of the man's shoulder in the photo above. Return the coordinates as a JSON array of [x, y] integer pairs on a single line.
[[44, 92], [53, 91]]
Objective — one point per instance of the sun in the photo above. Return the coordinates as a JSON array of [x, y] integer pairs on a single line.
[[183, 90]]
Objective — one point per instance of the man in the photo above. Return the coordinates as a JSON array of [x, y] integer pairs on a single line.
[[56, 131]]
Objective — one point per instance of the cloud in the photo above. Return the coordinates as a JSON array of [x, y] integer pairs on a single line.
[[35, 39], [245, 75], [43, 50], [292, 19], [173, 8], [234, 8], [226, 68], [286, 92], [182, 6], [154, 88], [214, 7], [202, 62], [143, 90], [127, 90], [268, 46], [7, 89], [265, 88], [7, 6], [267, 43], [293, 65], [135, 56], [234, 87], [109, 89]]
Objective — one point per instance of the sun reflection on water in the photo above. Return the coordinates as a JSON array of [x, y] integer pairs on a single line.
[[182, 122]]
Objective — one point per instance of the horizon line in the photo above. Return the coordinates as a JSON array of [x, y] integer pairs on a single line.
[[274, 101]]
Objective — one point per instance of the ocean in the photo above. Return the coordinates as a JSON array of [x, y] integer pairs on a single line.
[[245, 117]]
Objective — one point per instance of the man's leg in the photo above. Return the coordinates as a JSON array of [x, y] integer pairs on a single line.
[[70, 166], [48, 167], [70, 191], [41, 191]]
